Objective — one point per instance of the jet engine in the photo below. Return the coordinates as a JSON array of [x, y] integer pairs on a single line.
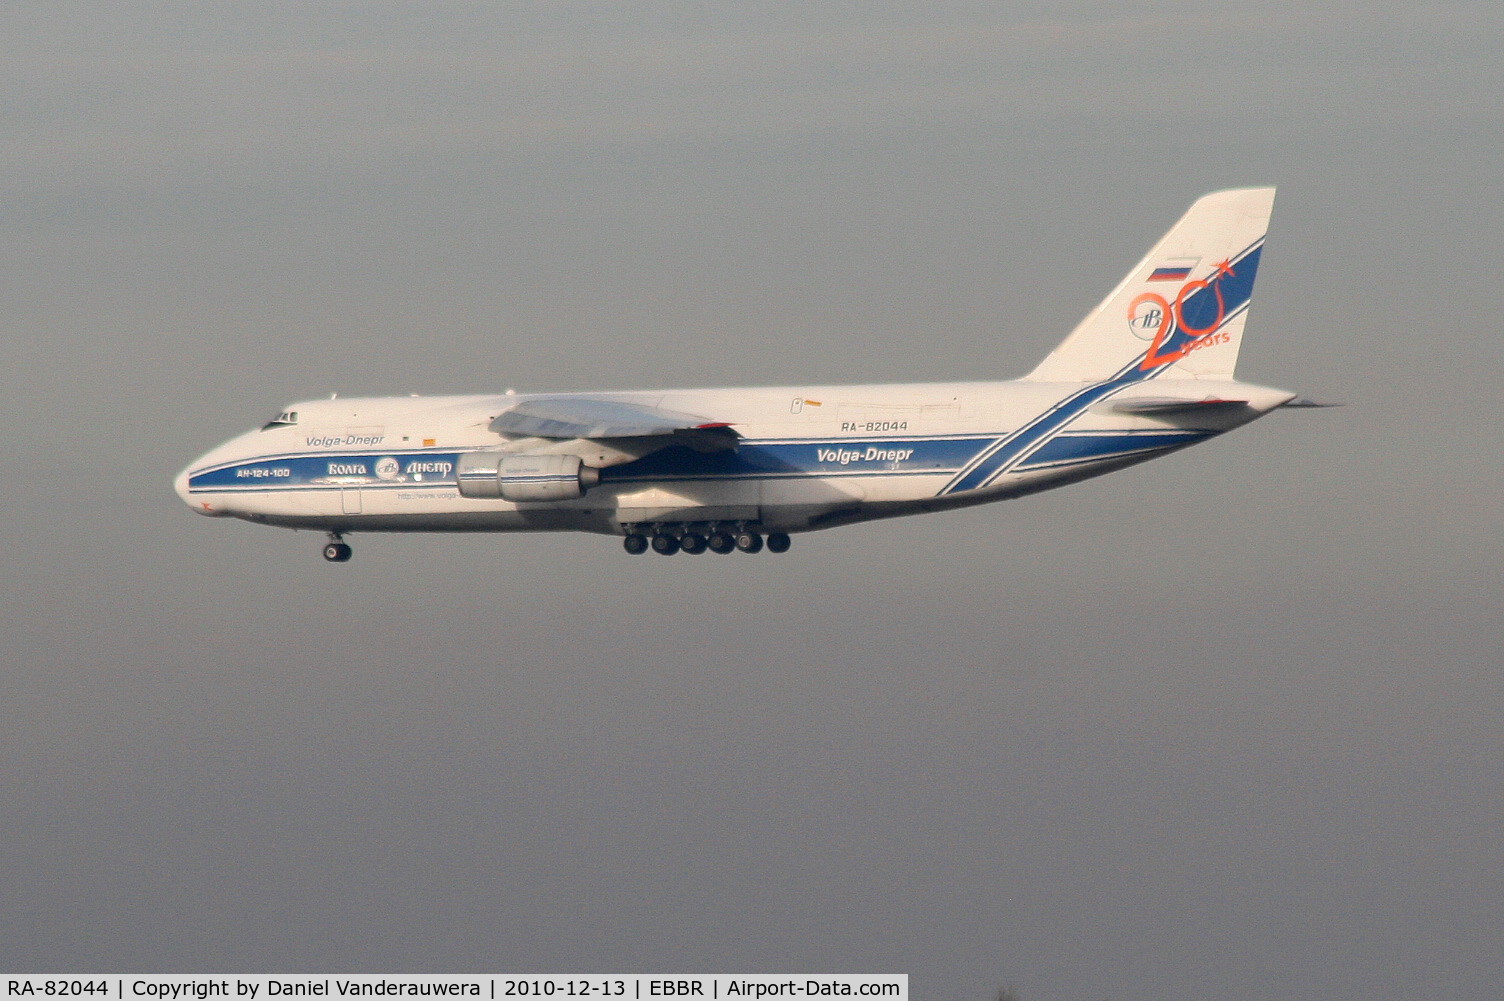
[[525, 477]]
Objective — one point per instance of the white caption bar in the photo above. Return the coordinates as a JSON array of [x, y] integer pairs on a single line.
[[492, 986]]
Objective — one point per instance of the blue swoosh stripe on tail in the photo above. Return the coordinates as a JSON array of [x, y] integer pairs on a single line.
[[1236, 289]]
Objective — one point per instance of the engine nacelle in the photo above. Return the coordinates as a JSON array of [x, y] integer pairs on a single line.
[[525, 477]]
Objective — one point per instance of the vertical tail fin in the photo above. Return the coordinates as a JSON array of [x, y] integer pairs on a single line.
[[1181, 311]]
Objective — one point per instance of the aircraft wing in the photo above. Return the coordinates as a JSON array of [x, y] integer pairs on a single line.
[[565, 418]]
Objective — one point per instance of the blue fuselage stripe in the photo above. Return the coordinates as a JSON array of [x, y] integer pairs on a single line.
[[979, 456]]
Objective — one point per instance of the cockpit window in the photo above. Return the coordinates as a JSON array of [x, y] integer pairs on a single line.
[[286, 418]]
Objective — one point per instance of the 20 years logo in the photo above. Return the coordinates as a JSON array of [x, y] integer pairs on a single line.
[[1190, 314]]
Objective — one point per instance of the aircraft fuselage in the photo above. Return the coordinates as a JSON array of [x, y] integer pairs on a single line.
[[808, 457]]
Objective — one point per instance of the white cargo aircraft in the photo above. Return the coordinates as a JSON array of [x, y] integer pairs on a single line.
[[1147, 372]]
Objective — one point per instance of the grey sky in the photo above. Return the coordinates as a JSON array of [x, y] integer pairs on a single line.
[[1227, 724]]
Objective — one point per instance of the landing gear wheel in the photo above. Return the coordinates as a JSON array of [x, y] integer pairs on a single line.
[[665, 545], [337, 552], [778, 542], [720, 542], [748, 542], [693, 543], [635, 543]]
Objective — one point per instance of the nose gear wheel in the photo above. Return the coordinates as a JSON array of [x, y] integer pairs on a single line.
[[336, 551]]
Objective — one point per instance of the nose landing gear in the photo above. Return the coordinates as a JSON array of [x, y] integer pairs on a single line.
[[337, 551]]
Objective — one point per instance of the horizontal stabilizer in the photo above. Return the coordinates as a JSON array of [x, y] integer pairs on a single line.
[[1306, 403], [1165, 406]]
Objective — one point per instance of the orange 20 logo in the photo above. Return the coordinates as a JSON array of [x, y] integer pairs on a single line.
[[1163, 310]]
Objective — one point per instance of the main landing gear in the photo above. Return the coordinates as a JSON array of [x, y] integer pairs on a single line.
[[337, 551], [667, 540]]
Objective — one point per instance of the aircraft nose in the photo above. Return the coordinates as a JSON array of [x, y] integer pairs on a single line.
[[180, 487]]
